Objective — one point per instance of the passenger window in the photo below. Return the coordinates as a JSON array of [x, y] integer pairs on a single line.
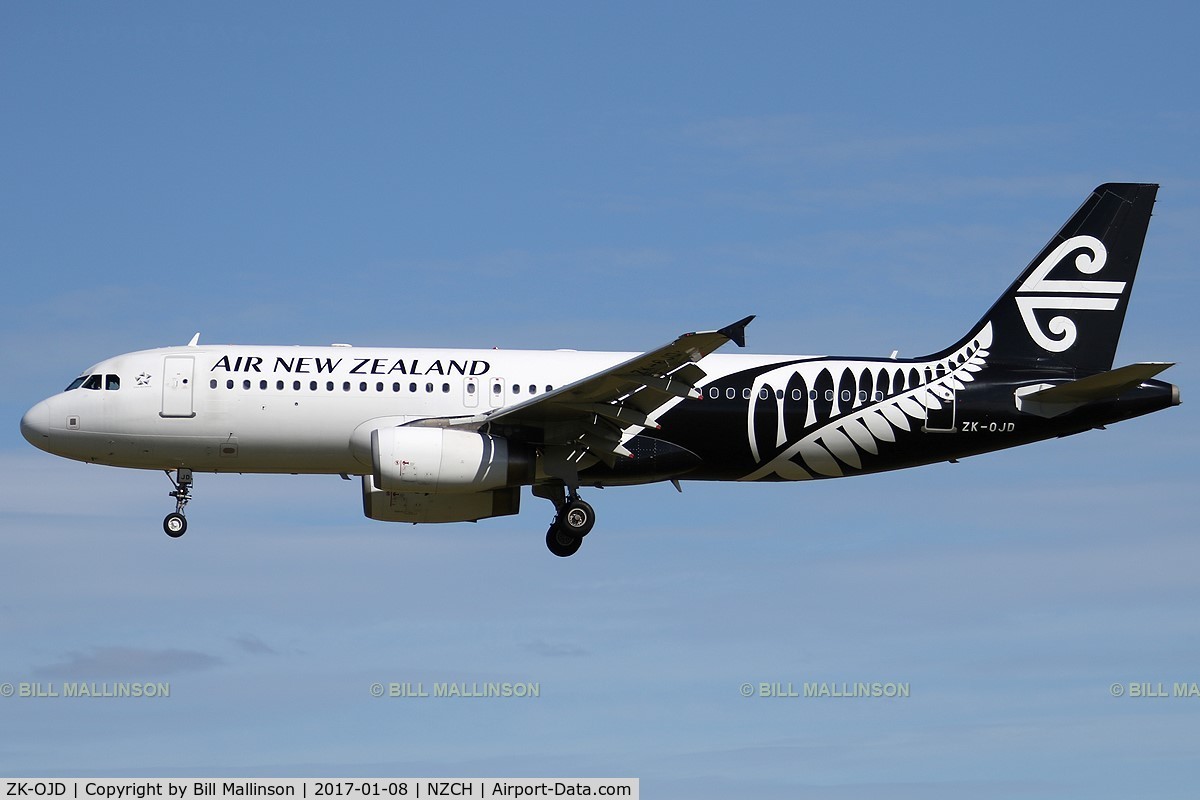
[[746, 393], [329, 386], [429, 388], [362, 387], [779, 394], [279, 386], [516, 388], [262, 385], [212, 384], [470, 388], [112, 383], [731, 393], [763, 394], [75, 384], [532, 389], [549, 388], [312, 386], [412, 387], [92, 382], [229, 384], [796, 394], [445, 388], [379, 386], [495, 388], [346, 386], [714, 392], [245, 384], [395, 387]]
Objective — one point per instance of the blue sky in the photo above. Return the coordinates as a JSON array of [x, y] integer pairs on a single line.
[[864, 178]]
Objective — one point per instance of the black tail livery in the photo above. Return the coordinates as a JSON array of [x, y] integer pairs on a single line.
[[1066, 309]]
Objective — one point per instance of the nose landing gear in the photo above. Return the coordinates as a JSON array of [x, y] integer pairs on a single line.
[[175, 524]]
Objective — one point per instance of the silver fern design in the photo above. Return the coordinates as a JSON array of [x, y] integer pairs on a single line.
[[869, 402]]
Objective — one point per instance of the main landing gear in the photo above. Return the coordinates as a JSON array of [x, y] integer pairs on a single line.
[[175, 524], [573, 521]]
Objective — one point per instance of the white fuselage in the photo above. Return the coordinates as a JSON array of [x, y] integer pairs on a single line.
[[239, 408]]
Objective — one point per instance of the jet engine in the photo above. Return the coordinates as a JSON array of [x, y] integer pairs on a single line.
[[444, 461]]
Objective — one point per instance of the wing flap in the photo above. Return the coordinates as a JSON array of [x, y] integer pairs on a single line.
[[623, 415]]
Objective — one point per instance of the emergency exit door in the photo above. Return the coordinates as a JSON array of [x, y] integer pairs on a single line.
[[940, 410]]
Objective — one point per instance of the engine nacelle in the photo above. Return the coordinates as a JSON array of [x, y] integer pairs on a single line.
[[419, 507], [439, 460]]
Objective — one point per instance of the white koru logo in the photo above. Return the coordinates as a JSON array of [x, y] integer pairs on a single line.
[[1057, 295]]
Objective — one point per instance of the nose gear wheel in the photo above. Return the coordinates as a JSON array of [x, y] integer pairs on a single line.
[[175, 524]]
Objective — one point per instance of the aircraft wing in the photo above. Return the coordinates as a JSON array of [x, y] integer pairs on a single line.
[[591, 415]]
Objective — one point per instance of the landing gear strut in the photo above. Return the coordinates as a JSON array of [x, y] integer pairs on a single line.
[[573, 521], [175, 524]]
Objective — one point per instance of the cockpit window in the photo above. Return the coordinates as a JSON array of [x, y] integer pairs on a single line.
[[109, 382]]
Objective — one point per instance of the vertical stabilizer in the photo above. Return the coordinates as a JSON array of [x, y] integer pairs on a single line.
[[1066, 309]]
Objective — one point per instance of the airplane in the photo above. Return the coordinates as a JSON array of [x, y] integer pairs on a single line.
[[454, 435]]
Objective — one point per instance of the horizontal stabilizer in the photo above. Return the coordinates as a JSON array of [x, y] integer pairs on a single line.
[[1050, 400]]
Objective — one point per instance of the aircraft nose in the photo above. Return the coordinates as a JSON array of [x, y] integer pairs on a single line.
[[35, 425]]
